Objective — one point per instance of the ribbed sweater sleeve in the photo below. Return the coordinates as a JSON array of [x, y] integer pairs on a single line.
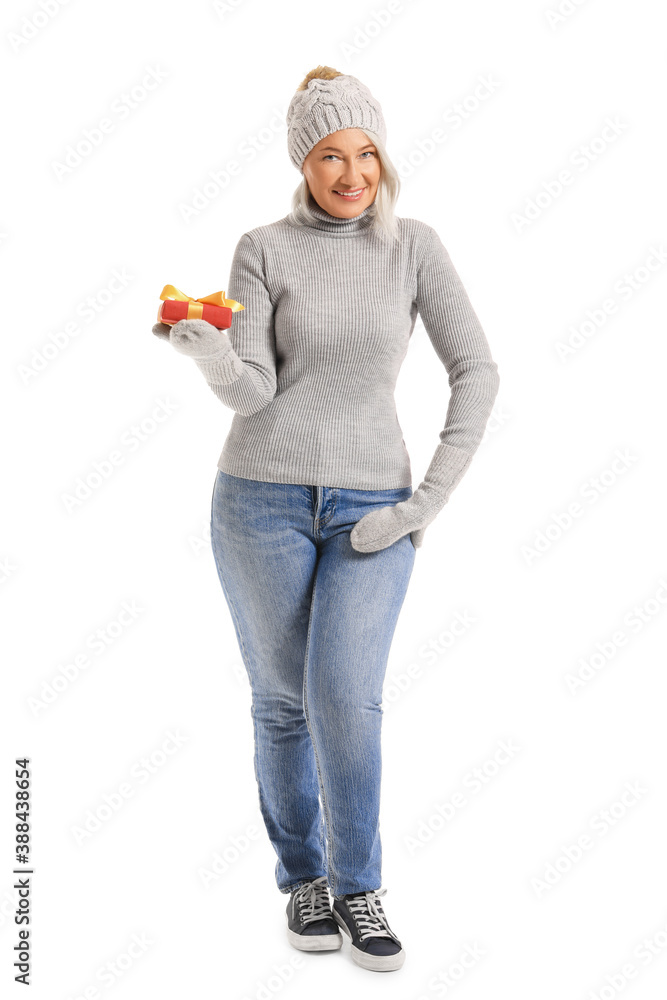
[[459, 341], [244, 378]]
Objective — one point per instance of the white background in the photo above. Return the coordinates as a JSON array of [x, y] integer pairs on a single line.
[[479, 881]]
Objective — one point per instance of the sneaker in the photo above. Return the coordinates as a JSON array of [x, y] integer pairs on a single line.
[[310, 925], [374, 944]]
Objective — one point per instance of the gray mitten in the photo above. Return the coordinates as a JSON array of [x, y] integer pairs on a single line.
[[204, 343], [194, 337], [381, 528]]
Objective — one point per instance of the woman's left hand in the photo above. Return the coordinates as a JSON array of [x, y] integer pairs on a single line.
[[381, 528]]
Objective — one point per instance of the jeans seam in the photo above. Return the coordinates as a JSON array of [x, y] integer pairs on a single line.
[[327, 850], [325, 520]]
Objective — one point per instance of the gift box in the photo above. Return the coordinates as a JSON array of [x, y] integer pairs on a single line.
[[214, 308]]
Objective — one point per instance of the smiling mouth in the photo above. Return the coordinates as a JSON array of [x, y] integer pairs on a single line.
[[350, 195]]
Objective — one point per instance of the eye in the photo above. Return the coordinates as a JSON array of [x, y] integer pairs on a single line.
[[368, 152]]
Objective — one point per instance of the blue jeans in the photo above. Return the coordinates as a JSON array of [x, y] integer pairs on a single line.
[[314, 620]]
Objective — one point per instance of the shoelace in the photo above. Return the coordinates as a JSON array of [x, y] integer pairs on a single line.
[[312, 900], [369, 915]]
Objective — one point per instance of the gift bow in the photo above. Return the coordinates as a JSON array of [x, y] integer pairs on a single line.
[[196, 310]]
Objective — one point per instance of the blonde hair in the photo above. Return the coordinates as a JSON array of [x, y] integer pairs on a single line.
[[389, 185]]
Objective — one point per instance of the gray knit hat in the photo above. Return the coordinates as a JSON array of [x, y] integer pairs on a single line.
[[326, 106]]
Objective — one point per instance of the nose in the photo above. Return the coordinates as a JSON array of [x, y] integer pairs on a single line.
[[351, 175]]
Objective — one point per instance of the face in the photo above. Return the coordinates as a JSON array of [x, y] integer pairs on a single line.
[[343, 161]]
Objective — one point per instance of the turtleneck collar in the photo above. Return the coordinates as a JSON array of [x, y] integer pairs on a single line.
[[330, 225]]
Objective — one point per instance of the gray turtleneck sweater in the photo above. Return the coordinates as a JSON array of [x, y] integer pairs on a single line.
[[329, 311]]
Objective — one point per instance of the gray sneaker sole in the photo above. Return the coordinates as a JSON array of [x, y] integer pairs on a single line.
[[376, 963], [313, 942]]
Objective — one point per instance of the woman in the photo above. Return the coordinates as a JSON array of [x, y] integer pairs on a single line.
[[314, 523]]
